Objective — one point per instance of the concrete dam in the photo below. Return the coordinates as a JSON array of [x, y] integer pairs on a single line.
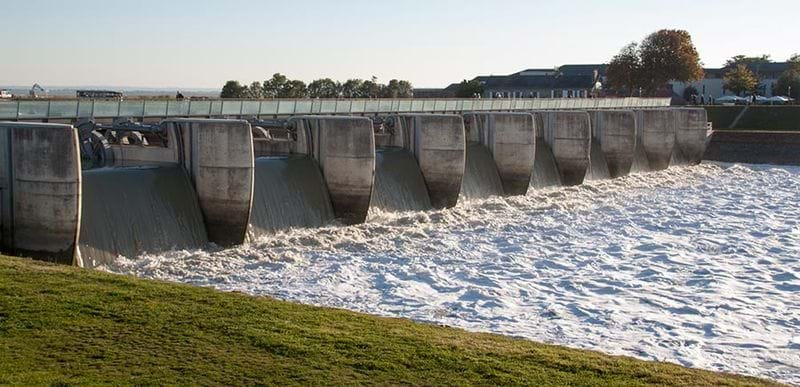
[[87, 193]]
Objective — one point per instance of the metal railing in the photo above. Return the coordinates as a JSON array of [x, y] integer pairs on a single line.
[[61, 109]]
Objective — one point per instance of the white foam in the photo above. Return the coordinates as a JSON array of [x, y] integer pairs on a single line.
[[693, 265]]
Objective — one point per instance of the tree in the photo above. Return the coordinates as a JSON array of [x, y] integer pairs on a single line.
[[624, 70], [668, 55], [740, 80], [788, 83], [747, 61], [469, 89], [294, 89], [370, 88], [274, 86], [397, 89], [324, 88], [255, 90], [233, 89], [794, 62], [351, 88]]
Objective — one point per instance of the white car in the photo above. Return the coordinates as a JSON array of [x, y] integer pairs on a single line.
[[5, 94]]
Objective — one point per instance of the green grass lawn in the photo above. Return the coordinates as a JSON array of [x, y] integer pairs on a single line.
[[722, 116], [63, 325]]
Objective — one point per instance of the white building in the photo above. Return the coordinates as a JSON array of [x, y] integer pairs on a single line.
[[714, 84]]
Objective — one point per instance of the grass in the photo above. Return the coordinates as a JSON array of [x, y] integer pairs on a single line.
[[722, 116], [62, 325], [773, 118]]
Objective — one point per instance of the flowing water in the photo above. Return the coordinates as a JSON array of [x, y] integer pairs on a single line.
[[289, 192], [129, 210], [598, 166], [545, 170], [399, 185], [640, 162], [481, 179], [693, 265]]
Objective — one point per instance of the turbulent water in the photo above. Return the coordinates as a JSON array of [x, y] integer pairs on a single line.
[[127, 211], [399, 185], [692, 265], [289, 192], [481, 179]]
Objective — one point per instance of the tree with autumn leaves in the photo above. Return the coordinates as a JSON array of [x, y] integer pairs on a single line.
[[740, 80], [663, 56]]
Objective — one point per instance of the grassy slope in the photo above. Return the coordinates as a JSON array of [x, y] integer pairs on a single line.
[[778, 118], [723, 116], [66, 325]]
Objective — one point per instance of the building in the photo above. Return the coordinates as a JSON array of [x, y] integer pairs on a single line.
[[567, 81], [582, 80], [714, 83]]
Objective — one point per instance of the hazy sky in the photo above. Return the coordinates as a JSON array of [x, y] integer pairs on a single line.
[[202, 43]]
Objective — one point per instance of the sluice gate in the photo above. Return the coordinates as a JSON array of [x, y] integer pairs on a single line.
[[438, 144], [655, 139], [613, 136], [511, 141], [179, 184], [568, 135], [332, 162], [183, 183]]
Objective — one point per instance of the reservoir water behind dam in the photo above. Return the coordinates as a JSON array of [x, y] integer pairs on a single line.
[[694, 265]]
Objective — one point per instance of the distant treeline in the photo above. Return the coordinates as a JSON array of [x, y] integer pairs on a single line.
[[279, 86]]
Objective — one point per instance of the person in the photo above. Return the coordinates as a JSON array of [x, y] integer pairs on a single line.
[[702, 99], [179, 96]]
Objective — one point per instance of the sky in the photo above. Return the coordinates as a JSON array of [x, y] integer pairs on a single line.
[[432, 43]]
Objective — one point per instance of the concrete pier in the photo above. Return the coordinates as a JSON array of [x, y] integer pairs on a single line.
[[615, 132], [438, 143], [40, 188], [344, 147], [511, 138], [218, 155], [568, 134], [655, 136], [690, 134]]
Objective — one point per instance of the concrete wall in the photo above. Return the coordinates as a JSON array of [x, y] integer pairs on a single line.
[[218, 154], [438, 142], [40, 185], [655, 134], [615, 131], [690, 134], [754, 147], [344, 147], [511, 137], [568, 133]]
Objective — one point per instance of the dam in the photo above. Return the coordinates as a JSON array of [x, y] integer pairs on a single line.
[[88, 193], [601, 227]]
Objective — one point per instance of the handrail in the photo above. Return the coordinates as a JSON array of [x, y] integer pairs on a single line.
[[66, 109]]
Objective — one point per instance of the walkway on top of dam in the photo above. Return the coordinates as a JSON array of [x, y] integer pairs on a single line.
[[73, 109]]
